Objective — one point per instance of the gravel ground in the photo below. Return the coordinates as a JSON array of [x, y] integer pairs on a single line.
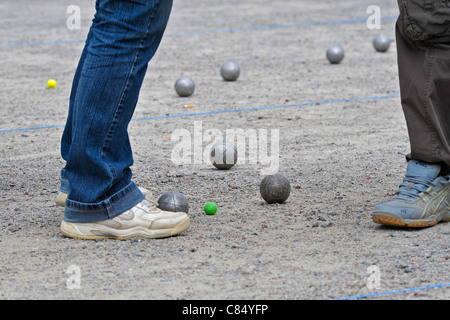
[[342, 145]]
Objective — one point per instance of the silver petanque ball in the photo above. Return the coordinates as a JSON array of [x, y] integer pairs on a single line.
[[230, 71], [173, 201], [335, 54], [184, 86], [223, 155], [381, 43]]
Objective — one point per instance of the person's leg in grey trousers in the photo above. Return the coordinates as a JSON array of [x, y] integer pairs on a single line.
[[423, 47]]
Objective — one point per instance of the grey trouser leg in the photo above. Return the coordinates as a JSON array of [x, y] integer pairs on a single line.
[[423, 47]]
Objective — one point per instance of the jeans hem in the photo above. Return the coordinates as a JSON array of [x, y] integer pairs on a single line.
[[115, 205]]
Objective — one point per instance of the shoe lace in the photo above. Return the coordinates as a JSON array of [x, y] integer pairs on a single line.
[[149, 205], [413, 185]]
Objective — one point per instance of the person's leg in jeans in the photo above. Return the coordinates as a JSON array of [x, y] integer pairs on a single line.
[[423, 48], [67, 135], [123, 38]]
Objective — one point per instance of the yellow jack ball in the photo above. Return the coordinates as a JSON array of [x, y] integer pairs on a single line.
[[51, 83]]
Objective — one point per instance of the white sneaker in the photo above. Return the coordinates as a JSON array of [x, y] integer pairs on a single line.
[[145, 220]]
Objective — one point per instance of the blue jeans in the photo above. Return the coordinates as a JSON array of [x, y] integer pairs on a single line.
[[124, 36]]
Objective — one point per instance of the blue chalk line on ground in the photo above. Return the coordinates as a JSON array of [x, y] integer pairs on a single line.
[[395, 291], [226, 111], [279, 26], [199, 32]]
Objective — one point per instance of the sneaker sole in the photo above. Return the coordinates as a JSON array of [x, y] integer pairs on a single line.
[[389, 219], [69, 230]]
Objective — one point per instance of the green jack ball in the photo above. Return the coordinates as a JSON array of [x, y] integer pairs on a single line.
[[210, 208]]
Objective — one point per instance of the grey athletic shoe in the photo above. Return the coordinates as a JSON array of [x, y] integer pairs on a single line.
[[422, 200]]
